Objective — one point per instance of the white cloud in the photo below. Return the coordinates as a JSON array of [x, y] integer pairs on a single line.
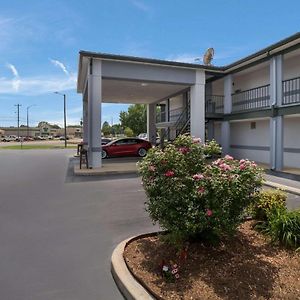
[[15, 82], [140, 5], [13, 69], [185, 58], [37, 85], [59, 64]]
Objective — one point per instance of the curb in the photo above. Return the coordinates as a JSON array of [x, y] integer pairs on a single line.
[[285, 188], [126, 283], [82, 172]]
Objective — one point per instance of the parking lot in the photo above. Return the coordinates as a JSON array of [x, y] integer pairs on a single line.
[[58, 231]]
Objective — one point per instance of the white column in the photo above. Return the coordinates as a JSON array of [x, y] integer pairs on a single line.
[[210, 130], [151, 128], [94, 113], [85, 120], [276, 122], [225, 126], [198, 106], [225, 137], [276, 147], [227, 94]]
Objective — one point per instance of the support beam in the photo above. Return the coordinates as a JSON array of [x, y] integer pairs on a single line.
[[198, 106], [276, 80], [225, 137], [276, 147], [210, 130], [225, 126], [227, 94], [85, 117], [94, 113], [151, 128], [276, 122]]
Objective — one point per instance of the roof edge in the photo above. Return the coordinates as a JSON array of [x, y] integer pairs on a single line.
[[154, 61]]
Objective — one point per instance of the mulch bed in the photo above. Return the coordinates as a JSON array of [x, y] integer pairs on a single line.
[[245, 267]]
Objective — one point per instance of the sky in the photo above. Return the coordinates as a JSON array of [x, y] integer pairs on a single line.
[[40, 42]]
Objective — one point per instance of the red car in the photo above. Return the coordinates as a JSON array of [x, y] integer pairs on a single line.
[[126, 147]]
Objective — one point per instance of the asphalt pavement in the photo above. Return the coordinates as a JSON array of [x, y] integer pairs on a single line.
[[58, 231]]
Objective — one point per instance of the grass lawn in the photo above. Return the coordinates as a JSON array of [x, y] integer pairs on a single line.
[[31, 147]]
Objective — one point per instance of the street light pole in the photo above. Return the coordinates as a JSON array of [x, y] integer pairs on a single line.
[[28, 119], [65, 120], [65, 115]]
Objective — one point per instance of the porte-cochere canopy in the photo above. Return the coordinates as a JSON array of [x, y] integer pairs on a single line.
[[122, 79]]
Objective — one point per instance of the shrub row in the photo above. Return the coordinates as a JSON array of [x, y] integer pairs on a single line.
[[275, 220]]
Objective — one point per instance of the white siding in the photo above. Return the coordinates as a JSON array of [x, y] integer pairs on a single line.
[[291, 67], [218, 87], [292, 140], [251, 80], [243, 135]]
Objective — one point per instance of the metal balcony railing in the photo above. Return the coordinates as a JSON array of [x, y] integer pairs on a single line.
[[161, 116], [174, 114], [253, 99], [291, 91], [214, 104]]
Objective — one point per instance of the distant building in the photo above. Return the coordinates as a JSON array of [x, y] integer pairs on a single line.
[[44, 129]]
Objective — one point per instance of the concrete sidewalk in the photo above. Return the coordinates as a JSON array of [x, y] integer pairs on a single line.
[[110, 166]]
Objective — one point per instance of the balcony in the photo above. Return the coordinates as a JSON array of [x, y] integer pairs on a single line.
[[253, 99], [291, 91], [174, 114], [214, 104]]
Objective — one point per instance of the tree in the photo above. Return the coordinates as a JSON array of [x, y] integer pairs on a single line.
[[128, 132], [135, 118], [106, 129], [116, 129]]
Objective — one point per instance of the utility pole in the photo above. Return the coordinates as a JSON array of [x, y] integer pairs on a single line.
[[18, 107]]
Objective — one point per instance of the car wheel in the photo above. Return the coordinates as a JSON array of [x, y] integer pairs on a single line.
[[142, 152], [104, 154]]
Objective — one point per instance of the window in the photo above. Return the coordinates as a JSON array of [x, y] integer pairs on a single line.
[[253, 125]]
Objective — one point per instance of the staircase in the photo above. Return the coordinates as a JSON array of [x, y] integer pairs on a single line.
[[182, 125]]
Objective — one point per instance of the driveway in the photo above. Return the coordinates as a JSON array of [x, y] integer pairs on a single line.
[[57, 232]]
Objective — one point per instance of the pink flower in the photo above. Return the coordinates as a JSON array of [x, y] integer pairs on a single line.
[[209, 212], [242, 167], [242, 161], [225, 167], [184, 150], [254, 165], [174, 271], [218, 162], [228, 157], [198, 176], [169, 173], [152, 168], [201, 190], [177, 276], [196, 140]]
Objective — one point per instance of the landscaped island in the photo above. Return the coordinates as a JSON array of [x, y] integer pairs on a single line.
[[208, 250]]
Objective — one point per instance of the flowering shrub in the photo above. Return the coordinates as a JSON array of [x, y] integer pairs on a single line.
[[188, 197], [212, 149]]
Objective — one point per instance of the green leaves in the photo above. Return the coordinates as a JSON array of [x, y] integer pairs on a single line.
[[188, 197]]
